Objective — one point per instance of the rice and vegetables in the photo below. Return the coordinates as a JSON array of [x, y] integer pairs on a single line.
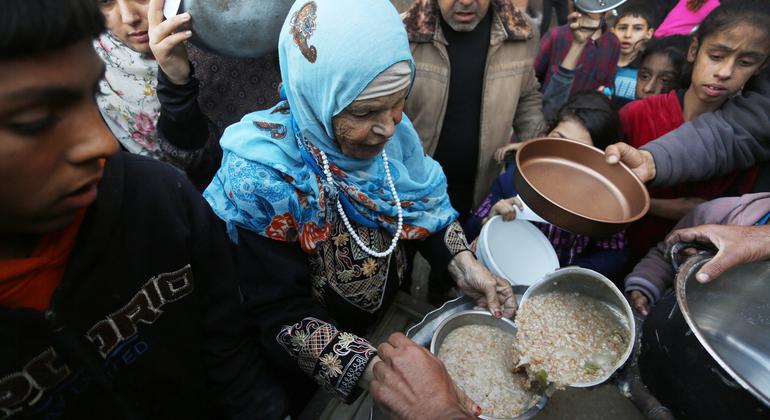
[[568, 338], [480, 360]]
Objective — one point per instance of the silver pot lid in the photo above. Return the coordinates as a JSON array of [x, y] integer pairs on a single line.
[[237, 28], [730, 316], [597, 6]]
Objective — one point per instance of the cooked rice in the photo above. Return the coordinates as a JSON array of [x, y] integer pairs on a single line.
[[572, 338], [479, 359]]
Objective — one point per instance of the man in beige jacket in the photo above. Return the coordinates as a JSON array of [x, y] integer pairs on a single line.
[[474, 88]]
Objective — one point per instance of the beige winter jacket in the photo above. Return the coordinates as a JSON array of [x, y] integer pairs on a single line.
[[511, 101]]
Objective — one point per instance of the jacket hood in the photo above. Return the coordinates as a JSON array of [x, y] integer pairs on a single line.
[[422, 19]]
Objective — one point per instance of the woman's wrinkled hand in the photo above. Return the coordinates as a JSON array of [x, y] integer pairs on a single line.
[[639, 302], [486, 289], [505, 208], [167, 43]]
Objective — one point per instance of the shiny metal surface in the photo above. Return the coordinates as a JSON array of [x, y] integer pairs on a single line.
[[594, 285], [730, 316], [597, 6], [473, 317], [238, 28], [570, 185]]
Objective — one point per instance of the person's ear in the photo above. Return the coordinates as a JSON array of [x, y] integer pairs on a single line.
[[650, 33], [692, 52]]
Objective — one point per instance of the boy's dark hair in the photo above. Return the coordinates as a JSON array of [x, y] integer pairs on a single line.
[[30, 27], [675, 48], [593, 110], [732, 13], [637, 9]]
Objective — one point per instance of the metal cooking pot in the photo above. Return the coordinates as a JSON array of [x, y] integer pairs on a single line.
[[477, 317], [570, 185], [730, 316], [238, 28], [595, 286], [597, 6]]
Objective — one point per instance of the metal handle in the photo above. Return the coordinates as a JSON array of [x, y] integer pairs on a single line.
[[677, 259]]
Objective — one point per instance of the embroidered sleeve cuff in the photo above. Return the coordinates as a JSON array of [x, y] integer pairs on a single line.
[[440, 247], [336, 360]]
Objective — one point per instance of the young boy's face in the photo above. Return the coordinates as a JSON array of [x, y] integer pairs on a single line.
[[633, 32], [52, 138], [657, 75]]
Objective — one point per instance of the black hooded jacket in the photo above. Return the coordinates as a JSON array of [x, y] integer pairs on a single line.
[[147, 322]]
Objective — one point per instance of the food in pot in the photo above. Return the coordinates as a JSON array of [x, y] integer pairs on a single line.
[[568, 338], [479, 359]]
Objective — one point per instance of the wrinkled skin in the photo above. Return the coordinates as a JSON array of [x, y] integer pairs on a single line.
[[410, 384], [735, 244], [364, 127]]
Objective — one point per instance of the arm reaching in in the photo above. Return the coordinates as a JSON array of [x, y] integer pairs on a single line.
[[639, 161], [411, 383], [735, 244]]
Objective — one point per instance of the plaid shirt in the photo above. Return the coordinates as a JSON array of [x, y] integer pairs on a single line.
[[597, 64]]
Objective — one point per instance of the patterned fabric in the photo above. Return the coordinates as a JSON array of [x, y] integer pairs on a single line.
[[625, 83], [597, 64], [455, 240], [336, 360], [274, 186], [129, 102], [342, 266]]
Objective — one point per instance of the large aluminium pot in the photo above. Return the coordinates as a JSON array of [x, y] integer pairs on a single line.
[[705, 349], [237, 28], [730, 316], [570, 185]]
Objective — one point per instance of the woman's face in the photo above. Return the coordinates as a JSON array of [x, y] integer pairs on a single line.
[[364, 127], [657, 75], [726, 61], [572, 129], [127, 20]]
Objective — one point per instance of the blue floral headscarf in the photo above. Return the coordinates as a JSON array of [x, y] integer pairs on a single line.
[[329, 52]]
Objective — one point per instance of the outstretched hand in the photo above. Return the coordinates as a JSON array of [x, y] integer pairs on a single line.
[[166, 42], [735, 244], [640, 162]]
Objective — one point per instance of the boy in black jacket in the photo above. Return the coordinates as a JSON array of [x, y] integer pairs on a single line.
[[121, 304]]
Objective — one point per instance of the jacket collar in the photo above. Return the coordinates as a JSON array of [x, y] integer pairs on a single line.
[[422, 21]]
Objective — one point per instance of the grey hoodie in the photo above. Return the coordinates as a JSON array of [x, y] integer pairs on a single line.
[[735, 137]]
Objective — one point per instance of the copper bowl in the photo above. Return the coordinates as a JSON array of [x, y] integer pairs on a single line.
[[570, 185]]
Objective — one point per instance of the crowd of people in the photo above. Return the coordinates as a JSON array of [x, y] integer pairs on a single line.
[[138, 281]]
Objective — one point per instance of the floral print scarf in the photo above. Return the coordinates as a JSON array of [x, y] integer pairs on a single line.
[[129, 102]]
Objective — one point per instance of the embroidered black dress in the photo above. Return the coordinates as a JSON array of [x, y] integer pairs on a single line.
[[309, 309]]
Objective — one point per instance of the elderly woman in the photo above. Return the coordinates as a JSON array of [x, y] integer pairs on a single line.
[[324, 193]]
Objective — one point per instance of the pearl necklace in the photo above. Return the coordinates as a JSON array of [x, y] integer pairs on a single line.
[[349, 227]]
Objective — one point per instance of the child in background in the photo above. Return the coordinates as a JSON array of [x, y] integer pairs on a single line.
[[685, 16], [731, 45], [664, 66], [596, 52], [633, 28], [588, 118]]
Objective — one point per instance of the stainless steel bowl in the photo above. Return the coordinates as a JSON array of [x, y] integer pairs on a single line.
[[475, 317], [730, 316], [594, 285]]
